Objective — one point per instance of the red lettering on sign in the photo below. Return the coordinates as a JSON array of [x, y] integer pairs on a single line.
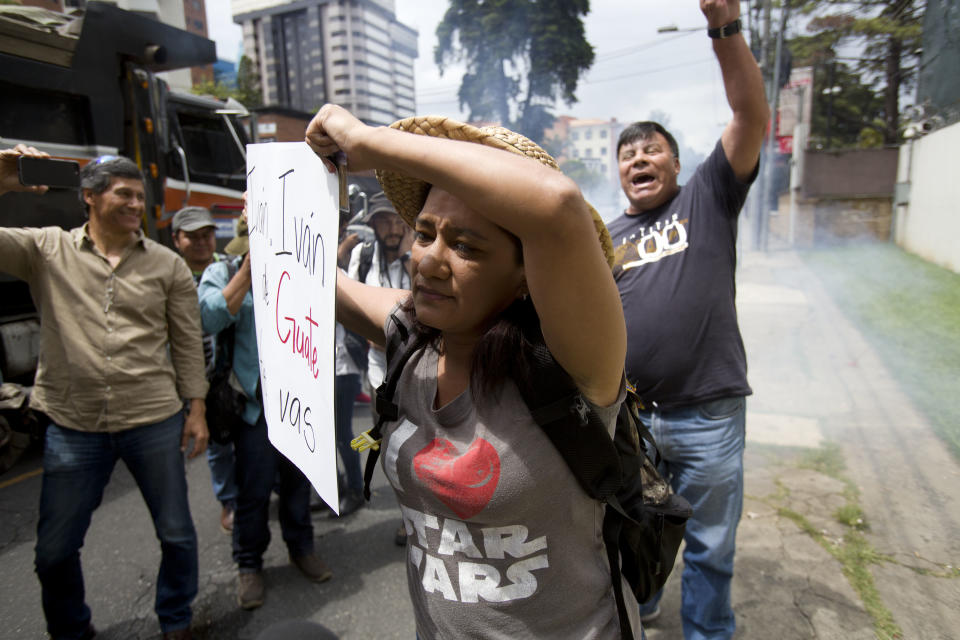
[[302, 344]]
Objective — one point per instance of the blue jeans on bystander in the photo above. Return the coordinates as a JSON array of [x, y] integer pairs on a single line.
[[258, 465], [702, 448], [346, 389], [76, 468], [220, 459]]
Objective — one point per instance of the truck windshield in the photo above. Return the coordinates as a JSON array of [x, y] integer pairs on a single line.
[[213, 156]]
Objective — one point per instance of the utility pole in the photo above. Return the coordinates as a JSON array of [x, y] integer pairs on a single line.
[[765, 44], [773, 98], [761, 207]]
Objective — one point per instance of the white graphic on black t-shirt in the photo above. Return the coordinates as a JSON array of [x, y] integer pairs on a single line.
[[655, 243], [473, 581]]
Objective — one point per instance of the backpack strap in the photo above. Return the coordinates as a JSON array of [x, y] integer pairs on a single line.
[[586, 446], [612, 525], [223, 353], [577, 433], [366, 261], [400, 347]]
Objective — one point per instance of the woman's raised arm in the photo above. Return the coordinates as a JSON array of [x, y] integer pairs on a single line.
[[567, 275]]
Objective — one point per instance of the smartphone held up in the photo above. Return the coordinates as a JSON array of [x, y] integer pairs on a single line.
[[56, 174]]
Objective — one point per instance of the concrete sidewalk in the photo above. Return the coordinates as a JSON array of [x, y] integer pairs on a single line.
[[817, 381]]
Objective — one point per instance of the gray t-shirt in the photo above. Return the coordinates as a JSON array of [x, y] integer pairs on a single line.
[[502, 541]]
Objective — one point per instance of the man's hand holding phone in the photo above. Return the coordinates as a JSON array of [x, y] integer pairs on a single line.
[[10, 170]]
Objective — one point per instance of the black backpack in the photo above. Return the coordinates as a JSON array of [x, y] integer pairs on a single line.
[[225, 405], [644, 521]]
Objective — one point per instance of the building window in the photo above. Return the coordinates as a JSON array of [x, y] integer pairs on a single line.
[[589, 152], [603, 133], [588, 134], [574, 135]]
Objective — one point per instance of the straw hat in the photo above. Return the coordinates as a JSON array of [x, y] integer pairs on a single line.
[[408, 194]]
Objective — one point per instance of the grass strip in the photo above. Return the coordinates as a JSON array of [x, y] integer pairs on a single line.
[[855, 556], [909, 311]]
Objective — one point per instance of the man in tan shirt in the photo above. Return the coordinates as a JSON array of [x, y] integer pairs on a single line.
[[120, 347]]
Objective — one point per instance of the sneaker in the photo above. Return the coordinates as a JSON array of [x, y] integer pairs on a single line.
[[362, 398], [226, 519], [250, 589], [349, 503], [312, 567], [179, 634], [400, 537], [647, 618]]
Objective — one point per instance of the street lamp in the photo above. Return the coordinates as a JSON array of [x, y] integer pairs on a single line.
[[672, 28]]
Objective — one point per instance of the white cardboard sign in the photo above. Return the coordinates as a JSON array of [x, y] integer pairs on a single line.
[[292, 215]]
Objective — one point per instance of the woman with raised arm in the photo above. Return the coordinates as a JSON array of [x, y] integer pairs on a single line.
[[503, 542]]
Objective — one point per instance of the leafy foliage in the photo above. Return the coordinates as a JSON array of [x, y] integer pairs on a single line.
[[587, 178], [846, 112], [521, 56], [888, 33], [246, 92]]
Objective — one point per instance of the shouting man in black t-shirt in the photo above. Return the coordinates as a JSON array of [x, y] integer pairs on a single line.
[[675, 264]]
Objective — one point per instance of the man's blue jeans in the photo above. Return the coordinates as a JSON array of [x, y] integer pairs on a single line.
[[221, 461], [702, 448], [76, 468], [258, 465], [346, 390]]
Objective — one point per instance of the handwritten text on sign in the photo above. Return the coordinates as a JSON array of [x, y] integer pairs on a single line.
[[292, 215]]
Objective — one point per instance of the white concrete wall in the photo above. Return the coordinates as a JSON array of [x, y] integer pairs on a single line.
[[929, 225]]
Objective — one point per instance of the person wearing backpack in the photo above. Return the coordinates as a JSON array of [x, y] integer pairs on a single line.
[[675, 268], [226, 299], [507, 255], [384, 262]]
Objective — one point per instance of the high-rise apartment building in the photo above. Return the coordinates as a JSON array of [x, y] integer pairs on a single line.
[[350, 52]]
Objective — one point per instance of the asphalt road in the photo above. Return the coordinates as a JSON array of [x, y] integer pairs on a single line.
[[366, 598]]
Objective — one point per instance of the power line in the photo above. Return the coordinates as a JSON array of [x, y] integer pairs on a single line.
[[650, 71], [600, 58], [619, 53]]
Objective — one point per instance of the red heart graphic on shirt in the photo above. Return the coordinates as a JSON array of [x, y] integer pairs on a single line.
[[466, 482]]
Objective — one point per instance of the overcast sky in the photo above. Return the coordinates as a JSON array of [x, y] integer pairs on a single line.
[[636, 70]]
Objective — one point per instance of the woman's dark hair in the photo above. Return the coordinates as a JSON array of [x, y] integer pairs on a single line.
[[504, 352]]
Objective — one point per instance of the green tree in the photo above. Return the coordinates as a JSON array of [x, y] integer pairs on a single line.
[[585, 177], [846, 112], [246, 92], [888, 33], [521, 56], [248, 84]]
